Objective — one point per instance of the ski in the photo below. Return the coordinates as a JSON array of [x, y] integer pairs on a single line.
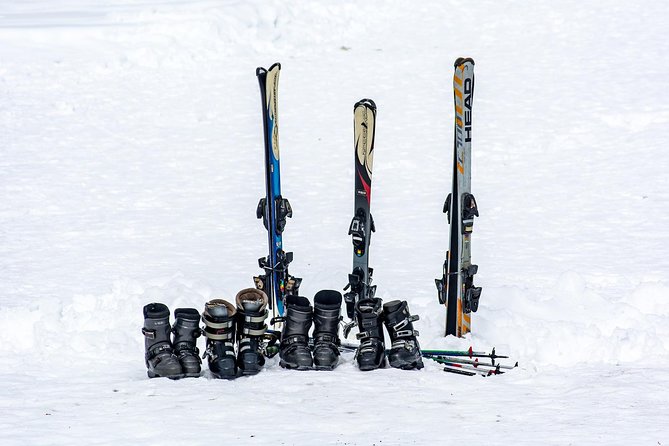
[[456, 287], [273, 208], [359, 281]]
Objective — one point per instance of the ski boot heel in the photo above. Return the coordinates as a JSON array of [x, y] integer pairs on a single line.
[[327, 313], [294, 347], [186, 331], [405, 351], [371, 352], [219, 320], [251, 328], [159, 357]]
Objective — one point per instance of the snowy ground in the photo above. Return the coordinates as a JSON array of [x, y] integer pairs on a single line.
[[131, 165]]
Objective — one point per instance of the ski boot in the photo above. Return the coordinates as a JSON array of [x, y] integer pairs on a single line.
[[186, 331], [371, 354], [219, 321], [327, 311], [160, 358], [251, 327], [294, 348], [405, 351]]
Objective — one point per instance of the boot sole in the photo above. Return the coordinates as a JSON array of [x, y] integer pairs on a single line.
[[155, 375], [219, 376], [367, 368], [286, 365], [326, 366]]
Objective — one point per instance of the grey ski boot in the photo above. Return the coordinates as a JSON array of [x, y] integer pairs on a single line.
[[160, 358], [219, 321], [371, 353], [327, 313], [186, 330], [405, 350], [294, 348], [251, 328]]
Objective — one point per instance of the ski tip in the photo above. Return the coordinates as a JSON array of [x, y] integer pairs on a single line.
[[365, 103], [263, 71], [471, 351], [461, 60]]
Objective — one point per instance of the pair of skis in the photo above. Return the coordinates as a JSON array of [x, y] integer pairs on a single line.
[[456, 287], [276, 282]]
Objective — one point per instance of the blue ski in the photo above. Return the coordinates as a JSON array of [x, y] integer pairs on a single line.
[[273, 208]]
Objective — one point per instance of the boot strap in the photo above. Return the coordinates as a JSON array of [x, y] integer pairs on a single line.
[[375, 334], [326, 338], [184, 347], [246, 344], [369, 344], [294, 339], [224, 336], [157, 350], [255, 318], [151, 334], [229, 350], [406, 333], [405, 344], [254, 331], [217, 325], [404, 322]]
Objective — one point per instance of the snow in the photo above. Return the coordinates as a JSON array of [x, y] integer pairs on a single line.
[[131, 165]]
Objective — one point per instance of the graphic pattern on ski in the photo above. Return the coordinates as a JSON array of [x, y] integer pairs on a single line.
[[273, 208], [456, 288], [359, 281]]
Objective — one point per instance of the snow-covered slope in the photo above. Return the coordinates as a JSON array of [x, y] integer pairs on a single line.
[[131, 165]]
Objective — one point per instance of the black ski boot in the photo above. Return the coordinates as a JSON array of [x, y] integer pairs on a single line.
[[160, 358], [294, 348], [251, 327], [405, 351], [219, 321], [327, 311], [371, 354], [186, 330]]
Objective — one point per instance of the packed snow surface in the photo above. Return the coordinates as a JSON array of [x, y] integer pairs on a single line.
[[131, 162]]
